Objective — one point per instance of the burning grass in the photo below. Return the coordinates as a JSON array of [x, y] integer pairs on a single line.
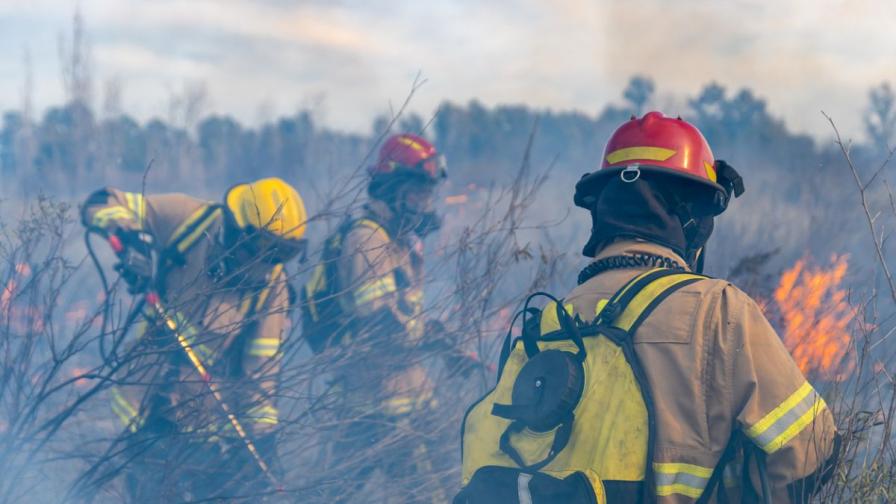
[[815, 316]]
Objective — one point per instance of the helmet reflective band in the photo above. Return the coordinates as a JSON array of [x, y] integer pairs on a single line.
[[657, 144], [407, 154]]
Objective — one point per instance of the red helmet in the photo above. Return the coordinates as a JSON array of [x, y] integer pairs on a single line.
[[407, 154], [659, 144]]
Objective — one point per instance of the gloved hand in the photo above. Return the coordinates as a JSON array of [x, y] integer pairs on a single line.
[[136, 264]]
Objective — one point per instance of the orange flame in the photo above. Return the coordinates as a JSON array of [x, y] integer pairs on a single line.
[[80, 376], [19, 318], [815, 316], [458, 199]]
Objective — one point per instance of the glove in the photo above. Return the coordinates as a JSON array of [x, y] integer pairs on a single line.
[[135, 264]]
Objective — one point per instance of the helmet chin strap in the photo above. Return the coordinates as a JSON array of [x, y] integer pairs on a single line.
[[407, 219], [697, 261], [420, 223], [696, 232]]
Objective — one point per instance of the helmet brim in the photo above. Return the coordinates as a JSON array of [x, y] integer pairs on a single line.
[[589, 187]]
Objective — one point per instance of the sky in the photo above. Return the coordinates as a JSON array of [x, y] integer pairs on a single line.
[[352, 60]]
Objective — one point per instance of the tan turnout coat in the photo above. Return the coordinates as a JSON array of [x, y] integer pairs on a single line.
[[379, 272], [235, 324], [714, 365]]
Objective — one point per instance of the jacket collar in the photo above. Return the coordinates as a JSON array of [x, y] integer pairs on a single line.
[[380, 212], [633, 247], [222, 266]]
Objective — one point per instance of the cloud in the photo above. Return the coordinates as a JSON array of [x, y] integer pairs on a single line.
[[307, 24], [802, 55]]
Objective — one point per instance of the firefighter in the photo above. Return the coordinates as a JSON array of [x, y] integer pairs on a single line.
[[196, 389], [364, 305], [649, 382]]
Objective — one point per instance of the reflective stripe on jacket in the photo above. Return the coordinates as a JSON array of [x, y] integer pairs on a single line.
[[234, 327], [380, 289], [713, 362]]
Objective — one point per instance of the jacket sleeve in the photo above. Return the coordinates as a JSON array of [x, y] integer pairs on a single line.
[[775, 406], [109, 210], [262, 357], [370, 281]]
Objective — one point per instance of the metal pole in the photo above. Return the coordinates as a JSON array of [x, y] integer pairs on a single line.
[[153, 299]]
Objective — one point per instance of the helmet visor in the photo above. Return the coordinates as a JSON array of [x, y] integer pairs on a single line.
[[435, 167]]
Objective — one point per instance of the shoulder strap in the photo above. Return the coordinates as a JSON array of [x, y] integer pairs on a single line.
[[637, 299], [189, 231], [184, 237], [369, 224], [333, 244], [252, 304], [333, 248], [716, 477], [621, 317]]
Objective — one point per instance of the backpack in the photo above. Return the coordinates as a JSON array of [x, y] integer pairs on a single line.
[[325, 322], [571, 418]]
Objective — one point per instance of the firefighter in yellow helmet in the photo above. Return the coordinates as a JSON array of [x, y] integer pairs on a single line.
[[197, 387], [649, 382]]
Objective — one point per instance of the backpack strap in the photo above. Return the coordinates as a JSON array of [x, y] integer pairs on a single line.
[[620, 319], [333, 249], [188, 233], [321, 308], [184, 237], [261, 345], [252, 304], [369, 224], [637, 299]]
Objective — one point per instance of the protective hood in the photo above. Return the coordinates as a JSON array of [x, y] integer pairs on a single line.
[[635, 210]]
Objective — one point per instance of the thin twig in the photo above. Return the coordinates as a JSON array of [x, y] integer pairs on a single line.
[[865, 207]]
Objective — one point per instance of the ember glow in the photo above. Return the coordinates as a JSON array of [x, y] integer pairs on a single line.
[[458, 199], [815, 317]]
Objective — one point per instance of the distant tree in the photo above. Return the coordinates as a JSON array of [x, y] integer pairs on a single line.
[[112, 90], [412, 123], [174, 156], [880, 121], [125, 144], [381, 126], [745, 110], [75, 55], [66, 144], [186, 108], [295, 136], [709, 104], [729, 120], [13, 124], [220, 140], [638, 93]]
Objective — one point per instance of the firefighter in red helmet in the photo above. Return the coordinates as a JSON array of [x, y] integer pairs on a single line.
[[364, 305], [649, 382], [698, 187]]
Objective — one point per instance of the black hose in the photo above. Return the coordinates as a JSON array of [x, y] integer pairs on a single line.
[[763, 477], [107, 303], [108, 293]]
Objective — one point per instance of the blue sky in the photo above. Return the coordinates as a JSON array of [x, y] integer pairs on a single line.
[[352, 60]]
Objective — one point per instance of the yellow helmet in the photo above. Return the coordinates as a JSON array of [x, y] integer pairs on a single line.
[[268, 204]]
